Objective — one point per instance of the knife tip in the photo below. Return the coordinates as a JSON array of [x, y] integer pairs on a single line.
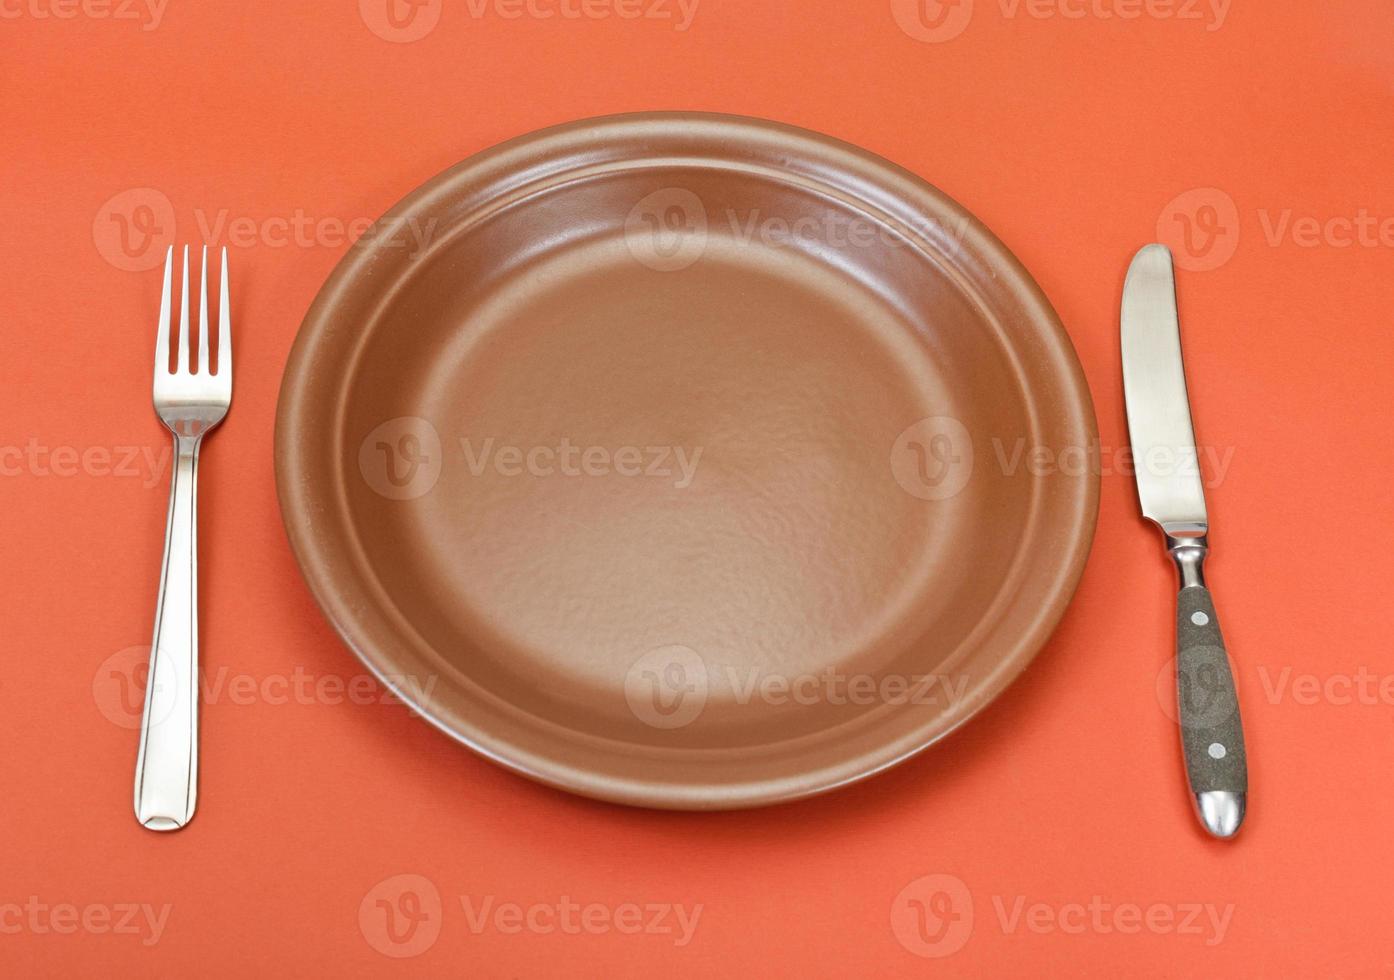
[[1155, 254]]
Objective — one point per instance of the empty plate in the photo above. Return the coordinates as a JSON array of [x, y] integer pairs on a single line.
[[687, 460]]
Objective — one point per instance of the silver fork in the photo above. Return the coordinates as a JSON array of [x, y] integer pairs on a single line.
[[190, 401]]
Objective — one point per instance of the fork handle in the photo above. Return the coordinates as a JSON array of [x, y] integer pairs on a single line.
[[166, 784]]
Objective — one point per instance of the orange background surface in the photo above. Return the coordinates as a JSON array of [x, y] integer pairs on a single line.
[[1255, 136]]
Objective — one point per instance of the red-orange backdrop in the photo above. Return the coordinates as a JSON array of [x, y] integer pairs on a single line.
[[1052, 834]]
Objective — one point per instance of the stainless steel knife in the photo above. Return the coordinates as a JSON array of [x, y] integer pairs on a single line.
[[1170, 489]]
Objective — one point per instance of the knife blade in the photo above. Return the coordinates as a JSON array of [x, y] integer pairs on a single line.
[[1172, 495]]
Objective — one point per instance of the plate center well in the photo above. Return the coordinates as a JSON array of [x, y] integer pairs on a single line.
[[635, 459]]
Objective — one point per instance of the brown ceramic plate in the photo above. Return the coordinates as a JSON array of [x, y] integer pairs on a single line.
[[687, 460]]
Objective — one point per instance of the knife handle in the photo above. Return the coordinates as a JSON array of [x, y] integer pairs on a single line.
[[1212, 735]]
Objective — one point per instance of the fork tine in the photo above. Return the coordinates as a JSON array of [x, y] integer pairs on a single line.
[[203, 314], [224, 326], [162, 335], [184, 319]]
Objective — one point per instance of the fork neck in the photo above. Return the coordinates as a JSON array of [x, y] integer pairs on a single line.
[[186, 446], [188, 434]]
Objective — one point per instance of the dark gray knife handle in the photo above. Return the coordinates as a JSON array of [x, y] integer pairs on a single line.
[[1212, 735]]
